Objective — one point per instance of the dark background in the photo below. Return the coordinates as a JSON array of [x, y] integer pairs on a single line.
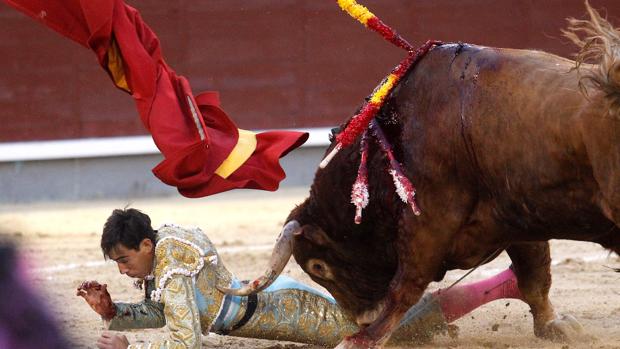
[[277, 63]]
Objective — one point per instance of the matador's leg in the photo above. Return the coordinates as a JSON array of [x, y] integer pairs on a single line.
[[433, 312], [289, 310]]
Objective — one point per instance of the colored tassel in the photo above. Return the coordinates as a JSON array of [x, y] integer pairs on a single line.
[[359, 193], [368, 19], [362, 121], [359, 122], [404, 188]]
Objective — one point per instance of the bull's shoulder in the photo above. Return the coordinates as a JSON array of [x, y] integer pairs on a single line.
[[540, 58], [451, 72], [460, 57]]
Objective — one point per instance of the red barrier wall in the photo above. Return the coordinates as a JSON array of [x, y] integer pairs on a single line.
[[277, 64]]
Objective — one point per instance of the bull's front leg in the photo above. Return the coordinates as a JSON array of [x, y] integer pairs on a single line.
[[532, 265], [416, 269]]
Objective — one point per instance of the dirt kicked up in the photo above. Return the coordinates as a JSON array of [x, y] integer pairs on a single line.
[[61, 244]]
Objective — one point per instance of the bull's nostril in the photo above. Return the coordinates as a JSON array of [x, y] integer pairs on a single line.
[[369, 316]]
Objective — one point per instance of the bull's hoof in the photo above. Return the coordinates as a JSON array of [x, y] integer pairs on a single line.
[[565, 328]]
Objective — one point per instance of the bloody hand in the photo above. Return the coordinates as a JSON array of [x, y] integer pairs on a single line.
[[97, 296], [109, 340]]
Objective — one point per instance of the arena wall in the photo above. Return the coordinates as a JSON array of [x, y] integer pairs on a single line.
[[277, 64]]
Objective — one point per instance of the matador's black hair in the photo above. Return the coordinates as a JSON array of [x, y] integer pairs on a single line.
[[128, 227]]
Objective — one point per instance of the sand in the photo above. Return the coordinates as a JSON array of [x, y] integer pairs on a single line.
[[60, 241]]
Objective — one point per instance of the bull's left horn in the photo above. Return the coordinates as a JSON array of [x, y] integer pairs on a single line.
[[282, 252]]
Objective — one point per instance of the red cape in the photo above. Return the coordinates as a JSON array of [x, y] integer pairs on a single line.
[[194, 143]]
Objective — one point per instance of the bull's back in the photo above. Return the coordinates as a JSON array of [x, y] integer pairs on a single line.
[[504, 122]]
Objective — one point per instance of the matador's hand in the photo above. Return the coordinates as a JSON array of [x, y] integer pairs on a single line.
[[97, 296], [112, 341]]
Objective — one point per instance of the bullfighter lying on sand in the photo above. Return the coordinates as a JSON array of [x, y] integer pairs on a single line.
[[181, 271]]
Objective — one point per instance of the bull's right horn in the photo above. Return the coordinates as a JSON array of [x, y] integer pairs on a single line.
[[282, 252]]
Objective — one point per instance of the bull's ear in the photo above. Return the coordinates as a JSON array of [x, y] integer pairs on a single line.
[[315, 235]]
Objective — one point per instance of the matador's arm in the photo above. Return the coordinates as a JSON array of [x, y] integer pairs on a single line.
[[131, 316], [181, 316]]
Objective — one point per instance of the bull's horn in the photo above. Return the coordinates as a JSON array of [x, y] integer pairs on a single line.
[[282, 252]]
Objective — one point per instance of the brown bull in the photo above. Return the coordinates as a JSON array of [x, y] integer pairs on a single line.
[[507, 148]]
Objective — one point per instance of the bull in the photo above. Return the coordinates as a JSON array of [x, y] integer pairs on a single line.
[[508, 149]]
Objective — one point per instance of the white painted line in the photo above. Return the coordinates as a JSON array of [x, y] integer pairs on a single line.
[[76, 148], [97, 264], [266, 247], [596, 257], [111, 146], [241, 249], [63, 267]]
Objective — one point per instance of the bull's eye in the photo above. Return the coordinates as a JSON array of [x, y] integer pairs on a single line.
[[319, 268]]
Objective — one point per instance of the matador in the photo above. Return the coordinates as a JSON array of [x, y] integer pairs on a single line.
[[180, 271]]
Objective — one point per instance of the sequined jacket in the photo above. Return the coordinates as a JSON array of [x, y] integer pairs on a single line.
[[182, 295]]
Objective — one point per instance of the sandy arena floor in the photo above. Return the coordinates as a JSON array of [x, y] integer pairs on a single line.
[[62, 242]]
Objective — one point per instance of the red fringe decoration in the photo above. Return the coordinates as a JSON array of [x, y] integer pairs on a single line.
[[359, 193], [388, 33], [364, 120], [404, 188], [359, 122]]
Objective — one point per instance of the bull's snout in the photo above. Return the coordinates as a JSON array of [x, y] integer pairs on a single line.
[[369, 316]]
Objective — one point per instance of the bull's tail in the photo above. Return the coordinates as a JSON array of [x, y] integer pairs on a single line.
[[599, 44]]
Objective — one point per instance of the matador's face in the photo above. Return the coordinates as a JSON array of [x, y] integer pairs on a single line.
[[135, 263]]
